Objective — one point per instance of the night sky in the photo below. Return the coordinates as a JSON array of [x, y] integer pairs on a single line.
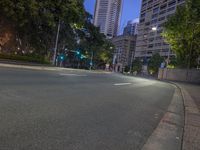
[[131, 10]]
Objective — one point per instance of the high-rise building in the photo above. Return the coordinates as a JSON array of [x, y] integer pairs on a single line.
[[107, 16], [131, 28], [153, 15], [124, 51]]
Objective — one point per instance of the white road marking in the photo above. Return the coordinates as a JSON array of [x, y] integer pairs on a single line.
[[119, 84], [70, 74]]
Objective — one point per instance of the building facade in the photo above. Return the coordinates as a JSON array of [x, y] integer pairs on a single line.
[[131, 28], [107, 16], [153, 15], [124, 51]]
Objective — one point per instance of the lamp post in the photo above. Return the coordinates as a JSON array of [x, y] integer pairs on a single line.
[[56, 44], [153, 29]]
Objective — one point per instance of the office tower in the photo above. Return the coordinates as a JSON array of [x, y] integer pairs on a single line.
[[107, 16], [131, 28], [124, 51], [153, 15]]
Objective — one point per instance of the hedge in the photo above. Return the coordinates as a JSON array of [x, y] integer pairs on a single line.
[[34, 59]]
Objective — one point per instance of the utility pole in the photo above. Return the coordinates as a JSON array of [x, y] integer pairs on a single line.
[[56, 44]]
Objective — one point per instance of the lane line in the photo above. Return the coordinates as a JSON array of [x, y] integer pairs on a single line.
[[119, 84], [70, 74]]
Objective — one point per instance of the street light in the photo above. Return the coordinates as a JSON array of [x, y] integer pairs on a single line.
[[77, 52], [154, 28]]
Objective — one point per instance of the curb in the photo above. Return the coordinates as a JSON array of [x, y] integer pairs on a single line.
[[46, 68], [191, 136], [169, 132]]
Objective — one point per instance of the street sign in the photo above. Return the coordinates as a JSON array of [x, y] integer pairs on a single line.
[[162, 65]]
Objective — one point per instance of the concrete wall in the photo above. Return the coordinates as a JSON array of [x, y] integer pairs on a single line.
[[192, 75]]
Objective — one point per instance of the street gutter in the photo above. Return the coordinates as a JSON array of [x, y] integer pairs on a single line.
[[169, 133], [189, 125], [191, 136]]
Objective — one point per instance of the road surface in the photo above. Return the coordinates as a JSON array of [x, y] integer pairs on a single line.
[[78, 110]]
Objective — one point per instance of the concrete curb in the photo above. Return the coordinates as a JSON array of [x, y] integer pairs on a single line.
[[48, 68], [191, 136], [169, 132]]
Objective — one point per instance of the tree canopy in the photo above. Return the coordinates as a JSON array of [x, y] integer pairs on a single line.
[[154, 63], [182, 32], [35, 21], [92, 41], [33, 26]]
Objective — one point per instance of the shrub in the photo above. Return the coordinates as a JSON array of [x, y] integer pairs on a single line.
[[154, 64], [137, 66], [33, 58]]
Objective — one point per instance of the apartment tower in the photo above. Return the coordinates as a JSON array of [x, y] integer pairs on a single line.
[[153, 15], [107, 16], [131, 28]]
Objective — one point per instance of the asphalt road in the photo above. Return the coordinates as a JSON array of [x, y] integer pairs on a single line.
[[78, 110]]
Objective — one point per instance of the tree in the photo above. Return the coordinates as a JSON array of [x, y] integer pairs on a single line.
[[95, 43], [137, 66], [34, 21], [105, 52], [34, 24], [154, 63], [182, 32]]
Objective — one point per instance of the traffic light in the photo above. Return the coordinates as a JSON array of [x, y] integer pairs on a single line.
[[61, 57], [77, 52], [83, 56]]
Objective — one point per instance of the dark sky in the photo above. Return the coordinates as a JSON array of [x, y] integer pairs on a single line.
[[131, 10]]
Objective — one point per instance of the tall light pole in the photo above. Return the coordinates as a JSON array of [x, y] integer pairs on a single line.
[[56, 44], [154, 29], [91, 60]]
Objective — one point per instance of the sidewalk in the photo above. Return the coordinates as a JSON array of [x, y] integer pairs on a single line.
[[191, 97], [179, 129], [23, 65]]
